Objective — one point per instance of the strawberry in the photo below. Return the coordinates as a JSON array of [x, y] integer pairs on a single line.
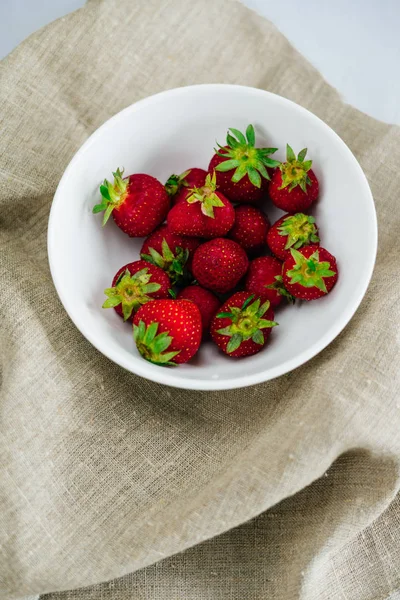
[[172, 253], [179, 183], [207, 303], [219, 264], [135, 284], [294, 186], [250, 228], [138, 203], [309, 273], [292, 231], [264, 280], [168, 332], [242, 325], [242, 169], [204, 212]]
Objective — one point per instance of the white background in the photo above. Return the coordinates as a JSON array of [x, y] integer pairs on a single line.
[[355, 44]]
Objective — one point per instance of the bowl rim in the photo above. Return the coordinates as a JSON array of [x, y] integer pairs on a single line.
[[170, 377]]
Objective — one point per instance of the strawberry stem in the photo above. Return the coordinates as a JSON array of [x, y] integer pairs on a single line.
[[112, 194], [175, 182], [242, 157], [152, 346], [173, 263], [300, 229], [246, 322], [130, 291], [294, 170], [206, 196], [280, 289], [309, 272]]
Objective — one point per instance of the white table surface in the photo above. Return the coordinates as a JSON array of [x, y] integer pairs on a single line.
[[355, 44]]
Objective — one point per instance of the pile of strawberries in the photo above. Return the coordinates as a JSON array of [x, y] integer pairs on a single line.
[[203, 269]]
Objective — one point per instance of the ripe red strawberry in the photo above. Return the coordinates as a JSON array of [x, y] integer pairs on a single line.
[[135, 284], [172, 253], [204, 213], [242, 169], [250, 228], [264, 280], [138, 203], [219, 264], [292, 231], [310, 273], [168, 332], [207, 303], [242, 325], [179, 183], [294, 186]]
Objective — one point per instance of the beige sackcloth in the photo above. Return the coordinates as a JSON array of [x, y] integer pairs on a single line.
[[282, 491]]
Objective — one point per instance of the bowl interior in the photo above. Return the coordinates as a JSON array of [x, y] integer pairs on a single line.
[[169, 133]]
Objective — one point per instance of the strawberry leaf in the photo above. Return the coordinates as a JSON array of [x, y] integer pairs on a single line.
[[247, 301], [234, 342], [240, 172], [253, 308], [105, 193], [126, 310], [225, 331], [254, 177], [107, 213], [262, 170], [162, 342], [150, 333], [294, 170], [263, 308], [290, 155], [166, 251], [112, 302], [231, 141], [301, 155], [244, 158], [264, 323], [250, 135], [149, 288], [227, 165], [239, 135], [258, 337], [99, 208]]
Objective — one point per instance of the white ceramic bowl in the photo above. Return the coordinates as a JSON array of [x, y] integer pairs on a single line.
[[168, 133]]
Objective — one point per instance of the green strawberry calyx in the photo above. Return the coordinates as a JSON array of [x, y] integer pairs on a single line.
[[112, 194], [242, 157], [300, 229], [175, 182], [131, 291], [309, 272], [295, 170], [280, 289], [246, 322], [206, 196], [172, 263], [152, 346]]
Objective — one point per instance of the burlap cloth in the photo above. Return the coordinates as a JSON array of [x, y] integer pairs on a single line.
[[105, 474]]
